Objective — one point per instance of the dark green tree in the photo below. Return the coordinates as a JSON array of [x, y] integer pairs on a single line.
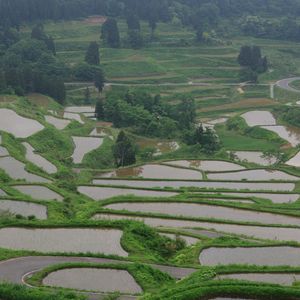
[[186, 113], [135, 39], [133, 22], [110, 33], [99, 110], [38, 33], [87, 96], [99, 80], [92, 55], [124, 151]]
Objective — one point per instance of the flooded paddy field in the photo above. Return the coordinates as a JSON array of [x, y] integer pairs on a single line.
[[71, 240], [38, 192], [207, 165], [59, 124], [275, 278], [206, 211], [84, 145], [10, 122], [255, 157], [257, 186], [73, 116], [260, 256], [16, 170], [101, 193], [294, 161], [261, 232], [39, 160], [156, 172], [259, 118], [254, 175], [24, 209], [274, 197], [97, 280]]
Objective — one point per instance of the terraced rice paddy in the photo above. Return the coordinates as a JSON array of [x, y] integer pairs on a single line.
[[282, 279], [261, 232], [72, 116], [257, 186], [294, 161], [156, 172], [24, 209], [102, 193], [97, 280], [73, 240], [260, 256], [38, 192], [191, 210], [10, 122], [39, 160], [259, 118], [59, 124], [16, 170], [84, 145], [255, 157], [207, 165], [254, 175], [275, 198]]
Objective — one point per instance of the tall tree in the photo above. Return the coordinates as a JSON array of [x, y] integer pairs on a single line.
[[87, 96], [92, 55], [38, 33], [124, 151], [99, 110], [99, 80], [110, 33]]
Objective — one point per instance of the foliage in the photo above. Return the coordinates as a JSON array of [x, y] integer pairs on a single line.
[[124, 151], [110, 33], [92, 55]]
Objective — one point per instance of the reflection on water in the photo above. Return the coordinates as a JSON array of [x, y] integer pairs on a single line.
[[281, 256], [75, 240], [96, 280]]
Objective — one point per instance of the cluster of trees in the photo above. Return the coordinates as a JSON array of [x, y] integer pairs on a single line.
[[29, 65], [283, 29], [253, 63], [289, 115], [146, 114]]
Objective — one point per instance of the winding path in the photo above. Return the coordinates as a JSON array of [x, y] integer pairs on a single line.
[[285, 84], [16, 270]]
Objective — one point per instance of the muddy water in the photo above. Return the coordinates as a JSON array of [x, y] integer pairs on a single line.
[[10, 122], [287, 256], [206, 211], [255, 157], [24, 209], [101, 193], [71, 116], [253, 175], [96, 280], [255, 118], [3, 151], [288, 187], [282, 278], [275, 198], [75, 240], [188, 239], [295, 161], [59, 124], [84, 145], [39, 160], [271, 233], [16, 170], [290, 134], [38, 192], [207, 165], [156, 172], [80, 109]]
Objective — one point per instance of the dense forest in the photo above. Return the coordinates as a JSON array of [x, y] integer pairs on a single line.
[[14, 12]]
